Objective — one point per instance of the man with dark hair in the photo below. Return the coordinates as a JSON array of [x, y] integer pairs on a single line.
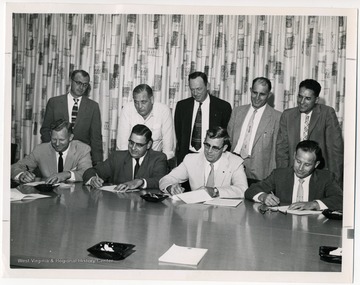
[[194, 115], [253, 130], [313, 121], [215, 170], [61, 159], [303, 186], [137, 167], [78, 109], [156, 116]]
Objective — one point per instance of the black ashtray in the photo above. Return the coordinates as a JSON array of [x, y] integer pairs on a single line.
[[46, 187], [334, 215], [111, 250], [151, 197], [324, 252]]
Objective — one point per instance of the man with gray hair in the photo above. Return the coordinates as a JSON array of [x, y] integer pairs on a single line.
[[61, 159]]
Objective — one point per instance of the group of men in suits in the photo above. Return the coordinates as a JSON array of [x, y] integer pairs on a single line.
[[220, 151]]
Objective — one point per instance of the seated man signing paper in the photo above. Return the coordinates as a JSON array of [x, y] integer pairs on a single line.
[[215, 170], [137, 167], [303, 186], [61, 159]]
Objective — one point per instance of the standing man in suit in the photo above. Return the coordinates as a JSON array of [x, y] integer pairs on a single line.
[[253, 131], [61, 159], [137, 167], [156, 116], [81, 111], [312, 121], [303, 186], [195, 115], [215, 170]]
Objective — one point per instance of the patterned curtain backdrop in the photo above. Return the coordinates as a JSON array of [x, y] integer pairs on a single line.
[[122, 51]]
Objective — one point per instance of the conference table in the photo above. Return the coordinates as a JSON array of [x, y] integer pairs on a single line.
[[55, 233]]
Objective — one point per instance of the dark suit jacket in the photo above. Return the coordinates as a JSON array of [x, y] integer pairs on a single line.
[[262, 160], [44, 157], [324, 128], [220, 112], [322, 186], [87, 126], [118, 168]]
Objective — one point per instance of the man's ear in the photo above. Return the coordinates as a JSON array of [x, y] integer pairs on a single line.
[[317, 163], [149, 144], [71, 137], [225, 147], [317, 99]]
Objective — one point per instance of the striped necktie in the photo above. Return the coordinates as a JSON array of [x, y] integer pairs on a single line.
[[196, 134], [75, 110], [306, 127]]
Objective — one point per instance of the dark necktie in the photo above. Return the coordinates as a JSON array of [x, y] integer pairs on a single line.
[[60, 162], [196, 134], [137, 166], [75, 110]]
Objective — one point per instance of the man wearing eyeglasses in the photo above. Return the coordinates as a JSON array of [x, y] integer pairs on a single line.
[[138, 167], [78, 109], [215, 170], [303, 186]]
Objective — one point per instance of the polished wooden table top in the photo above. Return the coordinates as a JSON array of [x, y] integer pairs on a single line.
[[56, 232]]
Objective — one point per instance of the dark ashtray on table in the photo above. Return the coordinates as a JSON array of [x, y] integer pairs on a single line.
[[331, 214], [151, 197], [111, 250], [46, 187], [326, 254]]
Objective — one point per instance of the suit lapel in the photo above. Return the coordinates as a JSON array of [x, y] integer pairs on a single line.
[[143, 165], [64, 106], [263, 124], [312, 186], [69, 157], [51, 157], [294, 132], [128, 169], [314, 118], [239, 123], [82, 110], [222, 169]]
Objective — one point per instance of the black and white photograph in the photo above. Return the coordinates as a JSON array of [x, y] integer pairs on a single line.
[[179, 142]]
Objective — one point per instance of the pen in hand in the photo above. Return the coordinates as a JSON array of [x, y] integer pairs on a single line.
[[27, 168]]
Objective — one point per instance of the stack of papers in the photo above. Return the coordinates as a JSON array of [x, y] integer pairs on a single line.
[[183, 255], [201, 196], [16, 195]]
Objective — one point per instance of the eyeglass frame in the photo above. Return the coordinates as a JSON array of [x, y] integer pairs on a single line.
[[137, 145], [215, 148], [79, 83]]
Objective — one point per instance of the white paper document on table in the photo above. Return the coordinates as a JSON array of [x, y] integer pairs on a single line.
[[183, 255], [16, 195], [193, 197], [223, 202], [284, 209]]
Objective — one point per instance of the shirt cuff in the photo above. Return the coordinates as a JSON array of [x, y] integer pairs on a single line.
[[89, 181], [321, 205], [256, 197], [72, 177], [144, 185], [17, 177]]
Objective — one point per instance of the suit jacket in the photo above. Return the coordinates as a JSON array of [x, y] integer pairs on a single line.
[[324, 128], [118, 168], [220, 112], [262, 160], [44, 157], [87, 127], [322, 186], [230, 178]]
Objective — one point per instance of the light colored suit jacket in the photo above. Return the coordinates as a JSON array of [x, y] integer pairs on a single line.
[[230, 178], [44, 156], [262, 160], [87, 127], [324, 128]]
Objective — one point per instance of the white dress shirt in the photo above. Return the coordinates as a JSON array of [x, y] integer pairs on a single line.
[[159, 121]]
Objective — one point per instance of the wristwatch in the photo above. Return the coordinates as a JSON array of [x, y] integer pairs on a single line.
[[216, 192]]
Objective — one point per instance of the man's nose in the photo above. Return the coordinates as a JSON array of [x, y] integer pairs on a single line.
[[301, 166]]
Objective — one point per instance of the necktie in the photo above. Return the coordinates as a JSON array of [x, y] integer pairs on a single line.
[[244, 153], [300, 191], [210, 181], [196, 134], [60, 162], [75, 110], [306, 127], [137, 166]]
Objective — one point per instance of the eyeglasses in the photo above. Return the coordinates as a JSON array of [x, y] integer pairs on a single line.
[[78, 83], [137, 145], [208, 146]]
